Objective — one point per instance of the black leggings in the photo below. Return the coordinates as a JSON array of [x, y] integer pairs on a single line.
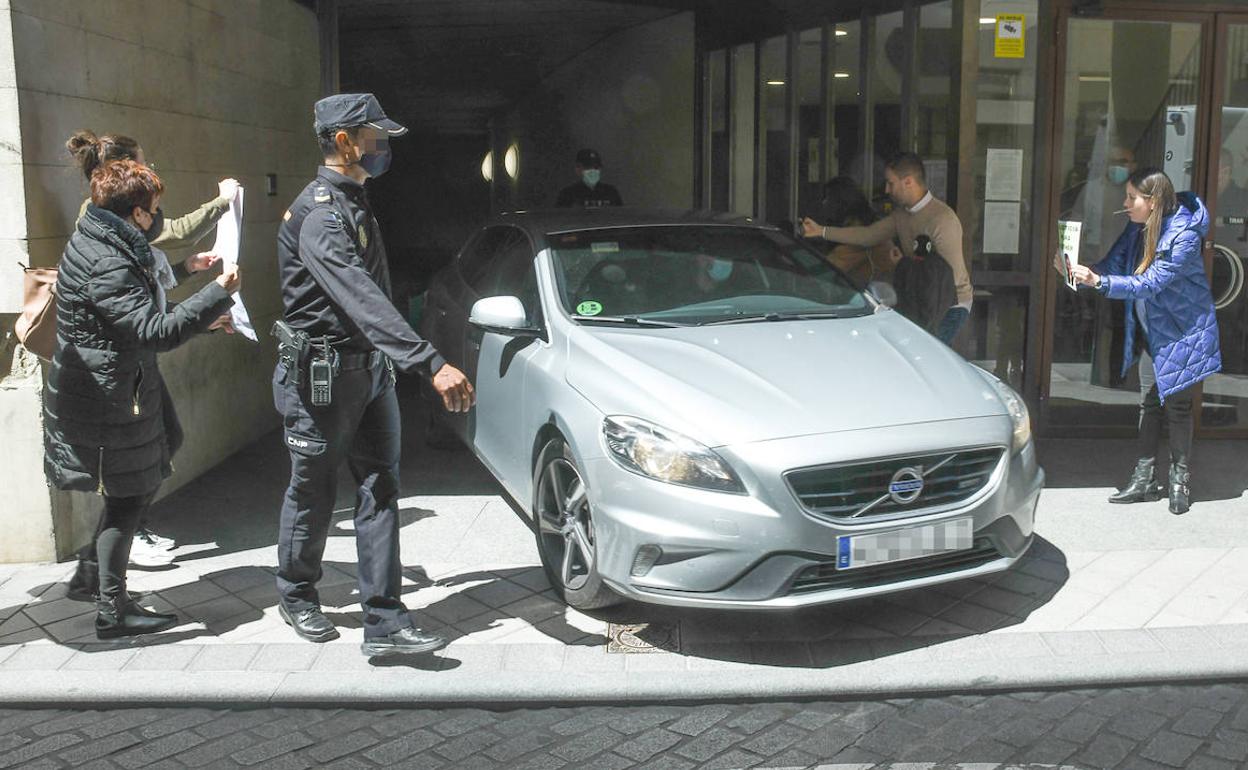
[[1177, 412], [113, 538]]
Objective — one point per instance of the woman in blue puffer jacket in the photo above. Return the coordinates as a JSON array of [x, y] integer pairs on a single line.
[[1156, 266]]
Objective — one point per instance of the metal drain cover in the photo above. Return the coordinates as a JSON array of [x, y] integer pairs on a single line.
[[643, 637]]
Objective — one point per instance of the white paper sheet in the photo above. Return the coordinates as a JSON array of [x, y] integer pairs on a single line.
[[1004, 180], [1000, 227], [229, 238]]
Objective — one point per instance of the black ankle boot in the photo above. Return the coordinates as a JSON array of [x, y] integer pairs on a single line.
[[85, 584], [1143, 485], [122, 617], [1180, 491]]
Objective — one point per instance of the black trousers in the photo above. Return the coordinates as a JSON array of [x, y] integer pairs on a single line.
[[360, 426], [1176, 414], [113, 537]]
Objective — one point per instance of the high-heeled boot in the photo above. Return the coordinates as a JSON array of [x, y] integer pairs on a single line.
[[1143, 485], [1180, 489], [123, 617]]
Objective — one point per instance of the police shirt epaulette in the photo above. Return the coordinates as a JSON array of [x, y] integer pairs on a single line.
[[321, 194]]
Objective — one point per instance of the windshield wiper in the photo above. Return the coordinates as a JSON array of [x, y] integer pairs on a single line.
[[755, 317], [626, 320]]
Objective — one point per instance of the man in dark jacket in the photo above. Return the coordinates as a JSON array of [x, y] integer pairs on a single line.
[[589, 191], [107, 413], [335, 384]]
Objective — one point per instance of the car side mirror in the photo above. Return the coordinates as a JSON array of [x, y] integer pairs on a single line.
[[883, 292], [504, 315]]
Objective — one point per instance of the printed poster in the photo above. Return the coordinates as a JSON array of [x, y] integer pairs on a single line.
[[1004, 175], [1008, 38], [1001, 227], [1068, 248]]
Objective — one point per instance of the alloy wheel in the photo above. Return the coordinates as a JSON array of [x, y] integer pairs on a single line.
[[565, 524]]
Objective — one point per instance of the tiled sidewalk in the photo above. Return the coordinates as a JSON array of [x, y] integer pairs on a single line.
[[1107, 593]]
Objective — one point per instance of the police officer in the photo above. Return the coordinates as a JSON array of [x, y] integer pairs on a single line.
[[589, 191], [339, 342]]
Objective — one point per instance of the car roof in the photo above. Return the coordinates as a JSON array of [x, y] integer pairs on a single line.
[[541, 222]]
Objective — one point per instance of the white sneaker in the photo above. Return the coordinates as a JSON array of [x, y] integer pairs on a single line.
[[160, 541], [145, 553]]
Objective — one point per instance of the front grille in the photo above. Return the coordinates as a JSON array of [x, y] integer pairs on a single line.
[[853, 490], [820, 577]]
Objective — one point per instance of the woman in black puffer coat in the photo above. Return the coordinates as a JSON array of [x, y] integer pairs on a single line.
[[107, 413]]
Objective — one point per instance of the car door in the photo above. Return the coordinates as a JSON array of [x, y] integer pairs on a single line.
[[501, 372]]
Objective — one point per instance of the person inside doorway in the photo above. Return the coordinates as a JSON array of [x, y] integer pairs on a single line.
[[1232, 200], [845, 205], [589, 191], [916, 213], [1156, 267]]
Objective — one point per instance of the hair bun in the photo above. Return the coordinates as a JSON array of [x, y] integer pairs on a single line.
[[83, 142]]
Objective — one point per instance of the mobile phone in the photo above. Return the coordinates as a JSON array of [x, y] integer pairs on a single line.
[[321, 380]]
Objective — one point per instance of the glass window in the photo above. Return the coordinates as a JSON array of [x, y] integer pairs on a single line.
[[935, 120], [741, 131], [846, 147], [697, 275], [476, 259], [1004, 109], [1226, 394], [775, 127], [717, 136], [810, 142], [1130, 94], [888, 56]]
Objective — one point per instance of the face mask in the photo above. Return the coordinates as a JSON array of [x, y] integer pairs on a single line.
[[591, 176], [1118, 174], [376, 163], [158, 225], [720, 269]]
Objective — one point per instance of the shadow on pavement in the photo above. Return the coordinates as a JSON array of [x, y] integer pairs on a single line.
[[866, 629]]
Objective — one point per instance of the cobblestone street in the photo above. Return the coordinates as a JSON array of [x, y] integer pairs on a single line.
[[1203, 727]]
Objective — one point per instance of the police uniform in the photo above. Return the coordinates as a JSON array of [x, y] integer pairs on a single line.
[[336, 289]]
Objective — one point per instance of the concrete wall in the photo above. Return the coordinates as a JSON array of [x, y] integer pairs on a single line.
[[631, 98], [210, 88]]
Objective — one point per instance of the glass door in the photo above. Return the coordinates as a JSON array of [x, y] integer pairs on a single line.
[[1224, 409], [1131, 96]]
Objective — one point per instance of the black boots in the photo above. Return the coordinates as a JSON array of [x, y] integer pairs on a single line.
[[122, 617], [1143, 485], [85, 583], [84, 586], [1180, 491]]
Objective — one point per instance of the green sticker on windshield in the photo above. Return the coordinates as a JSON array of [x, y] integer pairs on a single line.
[[589, 307]]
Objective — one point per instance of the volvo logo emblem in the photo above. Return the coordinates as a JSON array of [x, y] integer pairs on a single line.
[[906, 485]]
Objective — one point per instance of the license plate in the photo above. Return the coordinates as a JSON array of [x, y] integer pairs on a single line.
[[854, 551]]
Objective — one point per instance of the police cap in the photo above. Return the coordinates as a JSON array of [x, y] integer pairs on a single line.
[[587, 158], [351, 110]]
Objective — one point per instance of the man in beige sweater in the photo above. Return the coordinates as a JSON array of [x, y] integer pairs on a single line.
[[916, 212]]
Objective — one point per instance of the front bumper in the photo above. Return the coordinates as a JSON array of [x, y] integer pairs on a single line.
[[763, 550]]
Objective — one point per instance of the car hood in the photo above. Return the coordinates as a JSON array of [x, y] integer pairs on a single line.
[[741, 383]]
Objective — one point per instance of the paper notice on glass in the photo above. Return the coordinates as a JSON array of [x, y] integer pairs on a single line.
[[229, 238], [1004, 177], [1068, 249], [1000, 227]]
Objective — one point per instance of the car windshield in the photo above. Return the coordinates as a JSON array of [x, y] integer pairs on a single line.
[[688, 274]]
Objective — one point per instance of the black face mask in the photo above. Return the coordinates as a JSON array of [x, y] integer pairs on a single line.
[[157, 227]]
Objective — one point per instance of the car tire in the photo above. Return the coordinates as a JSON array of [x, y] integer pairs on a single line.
[[565, 530]]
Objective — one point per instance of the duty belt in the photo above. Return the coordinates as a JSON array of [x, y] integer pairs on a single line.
[[351, 361]]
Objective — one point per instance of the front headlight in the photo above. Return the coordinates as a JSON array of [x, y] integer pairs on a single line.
[[645, 448], [1018, 412]]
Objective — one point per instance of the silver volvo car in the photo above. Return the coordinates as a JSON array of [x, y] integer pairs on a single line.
[[697, 410]]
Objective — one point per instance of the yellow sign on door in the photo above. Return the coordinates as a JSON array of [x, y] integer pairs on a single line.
[[1008, 38]]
